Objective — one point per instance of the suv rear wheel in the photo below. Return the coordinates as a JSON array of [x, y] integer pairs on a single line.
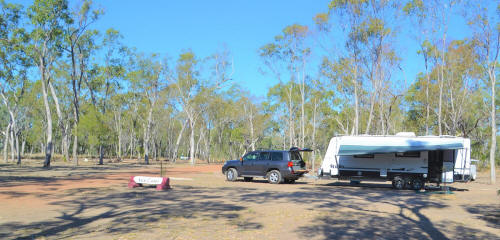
[[231, 175], [274, 177]]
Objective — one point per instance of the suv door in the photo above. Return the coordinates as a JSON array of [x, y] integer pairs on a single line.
[[248, 163], [262, 164]]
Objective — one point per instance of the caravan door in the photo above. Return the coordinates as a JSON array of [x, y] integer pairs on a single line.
[[448, 166]]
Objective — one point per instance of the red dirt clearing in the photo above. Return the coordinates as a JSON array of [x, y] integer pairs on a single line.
[[38, 195]]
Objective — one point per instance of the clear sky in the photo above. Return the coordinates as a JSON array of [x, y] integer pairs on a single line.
[[168, 27]]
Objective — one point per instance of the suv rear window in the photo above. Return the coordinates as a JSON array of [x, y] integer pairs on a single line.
[[276, 156], [295, 156]]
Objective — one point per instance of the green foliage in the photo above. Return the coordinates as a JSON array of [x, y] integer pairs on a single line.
[[136, 101]]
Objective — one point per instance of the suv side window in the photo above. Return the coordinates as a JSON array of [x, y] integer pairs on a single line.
[[276, 156], [264, 156], [251, 157]]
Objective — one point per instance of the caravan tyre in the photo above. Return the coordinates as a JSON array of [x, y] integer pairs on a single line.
[[408, 182], [417, 184], [398, 183]]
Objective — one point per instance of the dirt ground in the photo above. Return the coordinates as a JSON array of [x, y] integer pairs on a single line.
[[93, 202]]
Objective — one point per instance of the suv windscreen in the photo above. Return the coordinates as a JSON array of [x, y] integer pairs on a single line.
[[277, 156]]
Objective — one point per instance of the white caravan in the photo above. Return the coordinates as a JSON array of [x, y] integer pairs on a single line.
[[406, 160]]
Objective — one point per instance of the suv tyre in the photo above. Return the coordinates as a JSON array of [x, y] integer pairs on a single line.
[[274, 177], [231, 175]]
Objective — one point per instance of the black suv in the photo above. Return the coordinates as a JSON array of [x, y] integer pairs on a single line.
[[277, 166]]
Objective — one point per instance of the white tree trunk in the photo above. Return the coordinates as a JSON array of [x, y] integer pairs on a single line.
[[356, 103], [314, 136], [6, 143], [493, 127], [12, 147], [45, 80], [178, 142], [191, 142], [147, 135]]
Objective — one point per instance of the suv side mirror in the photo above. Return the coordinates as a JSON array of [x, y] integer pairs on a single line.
[[241, 159]]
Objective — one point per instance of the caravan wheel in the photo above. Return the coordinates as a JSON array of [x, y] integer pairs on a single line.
[[398, 183], [408, 182], [417, 184]]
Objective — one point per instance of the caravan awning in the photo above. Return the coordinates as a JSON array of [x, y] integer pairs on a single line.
[[367, 145]]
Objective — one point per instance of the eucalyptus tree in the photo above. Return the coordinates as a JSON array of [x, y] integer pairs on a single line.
[[79, 45], [47, 18], [485, 23], [103, 81], [13, 73], [350, 14], [291, 50], [147, 78], [186, 80], [419, 13]]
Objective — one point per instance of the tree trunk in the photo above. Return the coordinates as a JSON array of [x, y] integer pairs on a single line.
[[146, 146], [177, 143], [6, 144], [302, 103], [23, 145], [147, 135], [493, 127], [191, 142], [370, 116], [441, 85], [48, 115], [290, 121], [12, 147], [119, 122], [440, 107], [314, 136], [101, 155], [427, 105], [75, 143], [252, 143], [356, 102], [18, 150], [60, 121], [66, 142]]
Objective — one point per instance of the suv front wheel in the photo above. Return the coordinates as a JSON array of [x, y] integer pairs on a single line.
[[231, 175], [274, 177]]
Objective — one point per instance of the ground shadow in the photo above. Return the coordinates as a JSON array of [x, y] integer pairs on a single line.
[[488, 213]]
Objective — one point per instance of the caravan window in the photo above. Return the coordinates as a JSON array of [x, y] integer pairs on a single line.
[[364, 156], [415, 154]]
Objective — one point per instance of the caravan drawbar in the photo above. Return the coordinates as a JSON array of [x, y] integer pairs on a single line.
[[406, 160]]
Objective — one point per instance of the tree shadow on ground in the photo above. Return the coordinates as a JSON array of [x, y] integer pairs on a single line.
[[121, 212], [488, 213], [363, 220], [348, 212]]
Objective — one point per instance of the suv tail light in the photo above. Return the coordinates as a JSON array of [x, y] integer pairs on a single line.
[[290, 164]]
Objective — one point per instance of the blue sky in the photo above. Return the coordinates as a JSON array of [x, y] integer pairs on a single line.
[[168, 27]]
